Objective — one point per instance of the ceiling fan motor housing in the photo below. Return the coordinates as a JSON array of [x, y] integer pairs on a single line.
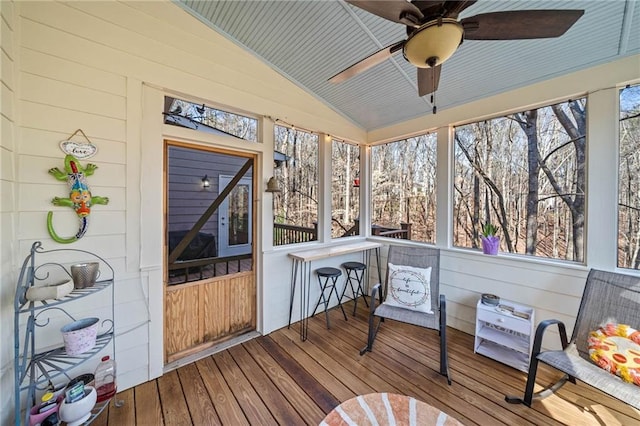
[[433, 43]]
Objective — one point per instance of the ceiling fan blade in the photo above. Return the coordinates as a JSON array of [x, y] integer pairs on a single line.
[[519, 24], [400, 11], [428, 79], [368, 62]]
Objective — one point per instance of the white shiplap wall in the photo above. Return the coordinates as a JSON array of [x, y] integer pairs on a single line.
[[88, 65], [8, 274], [554, 289]]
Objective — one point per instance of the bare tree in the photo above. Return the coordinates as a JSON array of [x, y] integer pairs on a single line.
[[528, 121], [629, 179], [497, 178], [575, 200], [495, 201]]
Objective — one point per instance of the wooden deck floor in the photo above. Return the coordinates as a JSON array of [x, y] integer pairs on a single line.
[[277, 379]]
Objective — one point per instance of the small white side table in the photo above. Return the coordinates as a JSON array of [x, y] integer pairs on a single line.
[[503, 335]]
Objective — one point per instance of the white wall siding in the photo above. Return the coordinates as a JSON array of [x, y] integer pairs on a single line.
[[8, 272], [277, 279], [553, 289], [87, 66], [159, 43], [58, 96]]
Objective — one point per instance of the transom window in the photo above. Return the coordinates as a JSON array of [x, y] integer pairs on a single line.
[[183, 113]]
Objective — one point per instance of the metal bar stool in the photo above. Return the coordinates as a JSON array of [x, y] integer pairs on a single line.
[[330, 276], [358, 269]]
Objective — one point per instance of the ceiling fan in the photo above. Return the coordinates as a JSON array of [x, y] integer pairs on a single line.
[[434, 32]]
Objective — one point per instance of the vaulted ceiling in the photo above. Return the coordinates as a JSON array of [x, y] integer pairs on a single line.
[[310, 41]]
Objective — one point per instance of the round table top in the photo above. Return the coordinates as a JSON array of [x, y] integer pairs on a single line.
[[387, 409]]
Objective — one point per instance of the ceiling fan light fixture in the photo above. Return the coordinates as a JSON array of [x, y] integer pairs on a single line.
[[437, 39]]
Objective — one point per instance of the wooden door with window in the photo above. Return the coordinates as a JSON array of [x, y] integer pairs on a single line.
[[209, 296]]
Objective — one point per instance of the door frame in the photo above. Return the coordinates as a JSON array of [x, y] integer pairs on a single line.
[[254, 229]]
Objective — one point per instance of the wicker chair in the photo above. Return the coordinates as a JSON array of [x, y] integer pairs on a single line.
[[419, 257], [608, 298]]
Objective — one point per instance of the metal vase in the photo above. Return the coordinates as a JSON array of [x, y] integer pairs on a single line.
[[84, 274]]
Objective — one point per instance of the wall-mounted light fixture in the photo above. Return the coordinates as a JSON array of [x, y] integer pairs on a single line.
[[272, 185], [206, 183]]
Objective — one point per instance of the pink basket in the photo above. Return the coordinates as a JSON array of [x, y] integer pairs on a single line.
[[80, 336]]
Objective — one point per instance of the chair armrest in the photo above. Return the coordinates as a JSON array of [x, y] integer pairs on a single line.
[[443, 310], [540, 330], [376, 290]]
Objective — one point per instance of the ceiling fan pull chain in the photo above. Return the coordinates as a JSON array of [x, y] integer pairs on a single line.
[[433, 97]]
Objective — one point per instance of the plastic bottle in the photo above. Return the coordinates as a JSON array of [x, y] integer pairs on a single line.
[[105, 379], [48, 403], [52, 420]]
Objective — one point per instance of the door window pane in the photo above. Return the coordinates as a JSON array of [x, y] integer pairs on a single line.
[[195, 178], [239, 215]]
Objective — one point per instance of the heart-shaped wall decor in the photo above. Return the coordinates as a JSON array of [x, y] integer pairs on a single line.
[[79, 150]]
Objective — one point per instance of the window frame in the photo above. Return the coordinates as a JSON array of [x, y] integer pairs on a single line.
[[397, 233], [356, 194], [318, 185], [505, 115], [185, 121], [620, 204]]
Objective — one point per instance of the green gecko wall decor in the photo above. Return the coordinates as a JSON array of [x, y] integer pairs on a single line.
[[80, 198]]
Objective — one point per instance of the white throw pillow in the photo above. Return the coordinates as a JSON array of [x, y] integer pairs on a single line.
[[409, 288]]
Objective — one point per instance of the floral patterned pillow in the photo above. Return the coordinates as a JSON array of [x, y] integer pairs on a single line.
[[409, 288], [616, 349]]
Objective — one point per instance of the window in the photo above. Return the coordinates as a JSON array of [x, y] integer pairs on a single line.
[[206, 119], [295, 209], [524, 173], [403, 189], [629, 179], [345, 189]]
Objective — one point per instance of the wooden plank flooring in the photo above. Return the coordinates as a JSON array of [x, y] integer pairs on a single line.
[[277, 379]]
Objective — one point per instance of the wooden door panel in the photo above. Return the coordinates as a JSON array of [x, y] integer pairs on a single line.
[[181, 319], [201, 313], [241, 309], [229, 304], [216, 309]]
